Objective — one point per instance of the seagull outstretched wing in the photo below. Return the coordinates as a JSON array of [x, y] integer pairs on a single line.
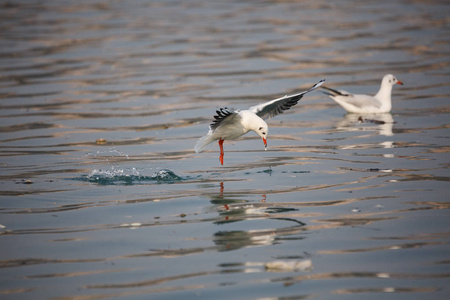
[[278, 106]]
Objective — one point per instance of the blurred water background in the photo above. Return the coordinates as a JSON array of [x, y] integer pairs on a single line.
[[102, 195]]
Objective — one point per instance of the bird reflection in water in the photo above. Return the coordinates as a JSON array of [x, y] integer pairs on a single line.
[[381, 123], [233, 209], [229, 202]]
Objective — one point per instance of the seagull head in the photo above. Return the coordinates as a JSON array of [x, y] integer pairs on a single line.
[[391, 80], [251, 121], [262, 130]]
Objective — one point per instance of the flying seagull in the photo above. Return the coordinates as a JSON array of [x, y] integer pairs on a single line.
[[229, 124]]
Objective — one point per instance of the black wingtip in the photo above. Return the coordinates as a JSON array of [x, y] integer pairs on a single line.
[[221, 114], [315, 86]]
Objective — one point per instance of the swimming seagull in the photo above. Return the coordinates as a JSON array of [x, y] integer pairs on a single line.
[[359, 103], [230, 124]]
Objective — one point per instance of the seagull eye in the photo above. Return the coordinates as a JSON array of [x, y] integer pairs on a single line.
[[260, 128]]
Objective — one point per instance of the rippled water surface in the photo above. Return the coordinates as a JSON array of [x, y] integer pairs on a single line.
[[102, 195]]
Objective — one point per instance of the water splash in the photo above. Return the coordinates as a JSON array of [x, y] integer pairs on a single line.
[[166, 175], [129, 177]]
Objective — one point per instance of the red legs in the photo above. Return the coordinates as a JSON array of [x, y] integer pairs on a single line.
[[221, 151]]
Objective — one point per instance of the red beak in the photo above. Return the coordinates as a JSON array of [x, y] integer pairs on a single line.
[[265, 142], [399, 82]]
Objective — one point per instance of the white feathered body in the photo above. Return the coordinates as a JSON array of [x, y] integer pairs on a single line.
[[366, 104], [231, 128]]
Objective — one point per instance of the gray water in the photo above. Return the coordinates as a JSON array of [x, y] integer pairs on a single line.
[[102, 195]]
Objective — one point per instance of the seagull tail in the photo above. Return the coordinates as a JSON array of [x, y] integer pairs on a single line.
[[203, 142], [332, 92]]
